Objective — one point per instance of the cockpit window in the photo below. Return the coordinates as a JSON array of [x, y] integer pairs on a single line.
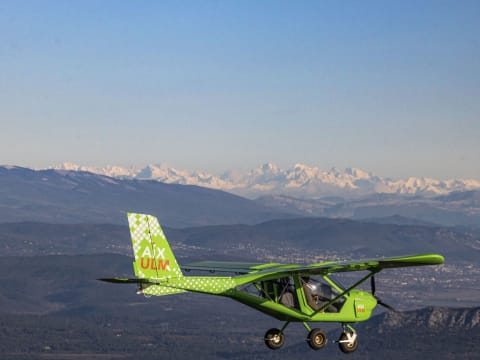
[[281, 291], [318, 294]]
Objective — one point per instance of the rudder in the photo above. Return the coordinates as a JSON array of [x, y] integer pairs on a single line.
[[153, 256]]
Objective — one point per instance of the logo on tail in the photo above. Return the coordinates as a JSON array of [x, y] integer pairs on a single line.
[[153, 256]]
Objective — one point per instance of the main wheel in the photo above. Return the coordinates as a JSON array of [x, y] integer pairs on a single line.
[[274, 339], [317, 339], [345, 346]]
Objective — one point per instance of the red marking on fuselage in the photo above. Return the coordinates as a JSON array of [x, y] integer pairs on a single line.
[[153, 265], [361, 309]]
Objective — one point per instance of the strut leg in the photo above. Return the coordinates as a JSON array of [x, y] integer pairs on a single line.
[[284, 326], [307, 326], [348, 328]]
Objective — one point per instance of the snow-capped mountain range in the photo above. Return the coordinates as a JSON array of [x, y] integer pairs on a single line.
[[300, 180]]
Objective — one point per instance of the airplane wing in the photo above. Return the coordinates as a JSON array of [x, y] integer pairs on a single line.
[[227, 266], [264, 271], [377, 264], [324, 268]]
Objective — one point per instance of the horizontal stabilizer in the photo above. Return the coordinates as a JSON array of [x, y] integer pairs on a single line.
[[147, 287], [127, 281]]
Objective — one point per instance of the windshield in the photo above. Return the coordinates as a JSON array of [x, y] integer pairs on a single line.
[[319, 294]]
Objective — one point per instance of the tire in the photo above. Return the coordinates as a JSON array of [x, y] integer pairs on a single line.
[[317, 339], [274, 339], [346, 347]]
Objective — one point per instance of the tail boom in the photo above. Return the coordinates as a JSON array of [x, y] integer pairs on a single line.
[[156, 269]]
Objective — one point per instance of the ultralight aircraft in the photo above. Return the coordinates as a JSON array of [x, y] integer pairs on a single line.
[[287, 292]]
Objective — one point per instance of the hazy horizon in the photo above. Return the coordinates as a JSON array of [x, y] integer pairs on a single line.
[[391, 88], [67, 165]]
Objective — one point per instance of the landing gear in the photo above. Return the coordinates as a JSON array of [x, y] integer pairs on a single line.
[[274, 338], [317, 339], [348, 340]]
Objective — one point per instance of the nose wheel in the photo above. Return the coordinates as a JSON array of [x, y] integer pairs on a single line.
[[348, 342]]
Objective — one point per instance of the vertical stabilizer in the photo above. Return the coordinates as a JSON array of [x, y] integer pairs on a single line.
[[153, 256]]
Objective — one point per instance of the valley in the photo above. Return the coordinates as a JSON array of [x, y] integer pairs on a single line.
[[60, 231]]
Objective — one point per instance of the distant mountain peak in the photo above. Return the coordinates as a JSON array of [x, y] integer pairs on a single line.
[[269, 167], [358, 173], [299, 180]]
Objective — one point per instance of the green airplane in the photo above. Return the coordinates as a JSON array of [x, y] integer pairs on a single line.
[[287, 292]]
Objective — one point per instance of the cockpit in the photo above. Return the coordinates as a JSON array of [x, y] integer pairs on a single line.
[[318, 294]]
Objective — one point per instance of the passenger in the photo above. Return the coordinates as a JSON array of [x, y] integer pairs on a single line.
[[287, 296]]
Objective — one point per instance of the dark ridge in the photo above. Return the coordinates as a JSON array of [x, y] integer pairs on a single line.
[[80, 197]]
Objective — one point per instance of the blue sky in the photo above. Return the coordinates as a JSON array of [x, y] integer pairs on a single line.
[[391, 87]]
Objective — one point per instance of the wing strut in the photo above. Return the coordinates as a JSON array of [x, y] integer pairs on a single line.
[[361, 281]]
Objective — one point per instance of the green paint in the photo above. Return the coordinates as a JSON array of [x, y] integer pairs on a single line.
[[272, 284]]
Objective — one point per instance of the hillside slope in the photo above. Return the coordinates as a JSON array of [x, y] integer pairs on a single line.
[[80, 197]]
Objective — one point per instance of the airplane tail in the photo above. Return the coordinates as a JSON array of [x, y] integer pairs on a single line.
[[153, 256]]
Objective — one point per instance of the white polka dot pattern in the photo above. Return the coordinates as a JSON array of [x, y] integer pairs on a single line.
[[154, 260], [205, 284], [153, 256]]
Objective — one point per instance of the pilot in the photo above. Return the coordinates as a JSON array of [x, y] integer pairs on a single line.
[[316, 294]]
